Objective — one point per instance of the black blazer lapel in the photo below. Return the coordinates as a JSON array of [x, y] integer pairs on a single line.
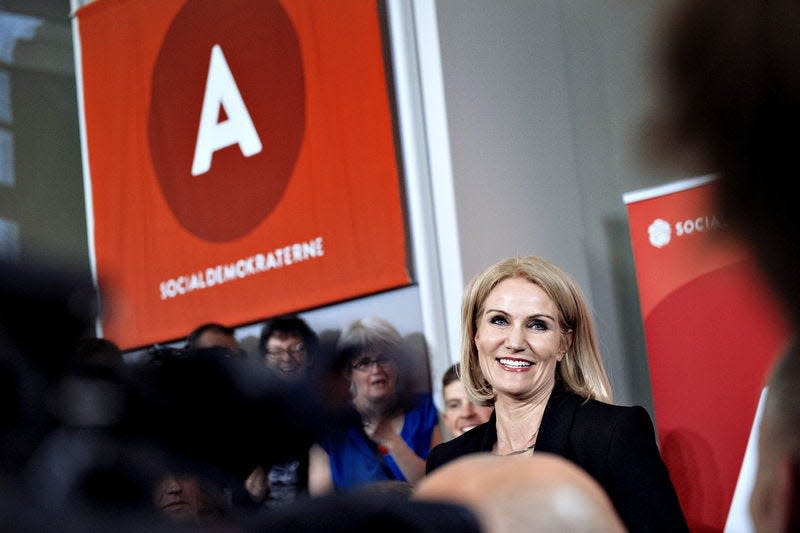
[[557, 423]]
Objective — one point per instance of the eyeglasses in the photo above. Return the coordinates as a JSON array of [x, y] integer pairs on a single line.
[[362, 365], [293, 351]]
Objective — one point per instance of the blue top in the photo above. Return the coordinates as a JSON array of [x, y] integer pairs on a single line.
[[354, 457]]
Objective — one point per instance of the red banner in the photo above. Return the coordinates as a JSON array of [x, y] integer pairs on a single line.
[[712, 330], [242, 160]]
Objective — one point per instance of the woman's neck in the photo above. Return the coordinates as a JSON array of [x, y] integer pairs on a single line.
[[518, 421], [376, 410]]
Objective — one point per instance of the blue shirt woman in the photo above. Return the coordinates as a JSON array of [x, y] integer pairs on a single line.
[[396, 430], [356, 459]]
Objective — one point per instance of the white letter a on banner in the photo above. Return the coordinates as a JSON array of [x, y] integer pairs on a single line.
[[221, 90]]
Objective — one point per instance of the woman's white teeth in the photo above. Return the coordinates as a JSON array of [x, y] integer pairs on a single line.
[[516, 363]]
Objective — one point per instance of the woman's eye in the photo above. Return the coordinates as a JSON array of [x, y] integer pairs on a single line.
[[499, 320], [538, 324]]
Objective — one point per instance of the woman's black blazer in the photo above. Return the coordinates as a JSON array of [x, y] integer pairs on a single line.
[[614, 444]]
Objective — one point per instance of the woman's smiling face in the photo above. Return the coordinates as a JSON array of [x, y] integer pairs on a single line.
[[519, 340]]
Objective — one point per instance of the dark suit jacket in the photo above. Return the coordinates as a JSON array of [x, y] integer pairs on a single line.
[[614, 444]]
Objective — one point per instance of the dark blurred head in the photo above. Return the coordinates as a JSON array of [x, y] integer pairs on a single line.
[[213, 334], [97, 351], [216, 408], [775, 498], [383, 506], [187, 497], [731, 79], [44, 312], [289, 346]]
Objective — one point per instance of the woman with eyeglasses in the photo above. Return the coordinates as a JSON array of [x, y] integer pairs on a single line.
[[398, 427]]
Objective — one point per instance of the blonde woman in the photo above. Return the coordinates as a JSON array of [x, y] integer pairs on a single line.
[[528, 347]]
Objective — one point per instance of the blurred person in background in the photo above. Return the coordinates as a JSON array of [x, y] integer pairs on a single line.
[[213, 334], [775, 499], [397, 427], [99, 352], [731, 99], [185, 497], [460, 412], [289, 347], [730, 105]]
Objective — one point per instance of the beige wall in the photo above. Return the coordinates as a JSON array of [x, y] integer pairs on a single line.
[[545, 101]]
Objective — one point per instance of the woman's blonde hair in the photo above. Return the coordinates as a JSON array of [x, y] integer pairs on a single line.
[[581, 370]]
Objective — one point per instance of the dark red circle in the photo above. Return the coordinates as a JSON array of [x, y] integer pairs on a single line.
[[262, 49]]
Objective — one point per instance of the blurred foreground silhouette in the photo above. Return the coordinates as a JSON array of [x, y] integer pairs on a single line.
[[84, 446]]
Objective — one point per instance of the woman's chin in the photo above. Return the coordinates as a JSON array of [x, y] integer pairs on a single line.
[[377, 394]]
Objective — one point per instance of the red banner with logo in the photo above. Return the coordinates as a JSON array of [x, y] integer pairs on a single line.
[[712, 330], [242, 160]]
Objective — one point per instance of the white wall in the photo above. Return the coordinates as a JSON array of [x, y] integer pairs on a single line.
[[545, 101]]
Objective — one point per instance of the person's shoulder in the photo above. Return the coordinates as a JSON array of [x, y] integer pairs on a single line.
[[590, 407], [596, 408], [604, 420], [597, 415]]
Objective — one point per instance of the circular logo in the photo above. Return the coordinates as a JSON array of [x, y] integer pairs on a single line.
[[227, 114], [659, 233]]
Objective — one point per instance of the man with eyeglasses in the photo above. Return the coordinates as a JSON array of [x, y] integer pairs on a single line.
[[285, 343], [289, 347]]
